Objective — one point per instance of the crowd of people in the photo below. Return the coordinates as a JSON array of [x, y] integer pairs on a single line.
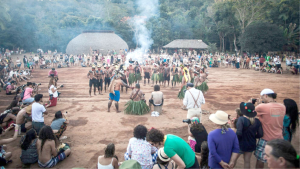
[[262, 126]]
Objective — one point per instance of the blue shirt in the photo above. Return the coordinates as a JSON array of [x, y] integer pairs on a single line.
[[56, 124], [221, 146]]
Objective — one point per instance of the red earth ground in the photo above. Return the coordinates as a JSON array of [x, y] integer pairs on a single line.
[[91, 127]]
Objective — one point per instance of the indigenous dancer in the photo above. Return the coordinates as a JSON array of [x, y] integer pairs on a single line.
[[203, 79], [93, 81], [147, 71], [175, 75], [137, 105], [107, 75], [124, 79], [180, 72], [114, 91], [131, 77], [155, 76], [185, 79], [167, 71], [100, 76], [137, 71], [161, 74]]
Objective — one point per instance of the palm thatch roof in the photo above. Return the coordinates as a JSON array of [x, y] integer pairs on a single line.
[[187, 44], [97, 40]]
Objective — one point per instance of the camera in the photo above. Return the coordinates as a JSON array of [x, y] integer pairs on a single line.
[[188, 121], [52, 75], [51, 96], [254, 101], [62, 85], [34, 84]]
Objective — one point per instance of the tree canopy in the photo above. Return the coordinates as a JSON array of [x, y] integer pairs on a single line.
[[51, 24]]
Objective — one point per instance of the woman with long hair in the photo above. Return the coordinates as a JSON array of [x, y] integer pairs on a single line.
[[28, 144], [59, 124], [53, 94], [204, 155], [291, 119], [49, 156], [109, 160]]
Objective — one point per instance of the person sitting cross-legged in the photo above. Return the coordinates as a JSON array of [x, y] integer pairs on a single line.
[[137, 105]]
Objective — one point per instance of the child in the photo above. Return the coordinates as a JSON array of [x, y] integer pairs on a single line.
[[273, 70]]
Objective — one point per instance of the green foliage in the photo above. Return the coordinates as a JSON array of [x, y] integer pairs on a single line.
[[212, 48], [262, 37], [136, 107]]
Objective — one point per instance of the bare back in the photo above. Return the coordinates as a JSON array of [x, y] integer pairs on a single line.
[[48, 151]]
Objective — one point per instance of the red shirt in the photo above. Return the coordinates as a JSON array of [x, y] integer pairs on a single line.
[[51, 72], [262, 60]]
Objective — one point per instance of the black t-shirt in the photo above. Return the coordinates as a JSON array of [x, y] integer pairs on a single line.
[[199, 137]]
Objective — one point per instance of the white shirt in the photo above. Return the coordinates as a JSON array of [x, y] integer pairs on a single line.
[[37, 112], [36, 58], [189, 97], [55, 94]]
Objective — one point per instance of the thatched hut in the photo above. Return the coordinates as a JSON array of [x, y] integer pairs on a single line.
[[186, 44], [95, 40]]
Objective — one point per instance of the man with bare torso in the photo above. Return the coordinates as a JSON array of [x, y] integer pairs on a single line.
[[155, 76], [175, 75], [93, 81], [147, 71], [161, 74], [114, 90], [131, 78], [24, 120], [167, 72], [107, 76], [100, 76]]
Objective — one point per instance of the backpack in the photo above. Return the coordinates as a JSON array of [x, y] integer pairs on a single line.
[[22, 94]]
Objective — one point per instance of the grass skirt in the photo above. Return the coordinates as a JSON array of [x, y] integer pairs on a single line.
[[192, 81], [181, 93], [161, 77], [155, 77], [138, 77], [180, 78], [131, 78], [175, 78], [203, 87], [136, 107]]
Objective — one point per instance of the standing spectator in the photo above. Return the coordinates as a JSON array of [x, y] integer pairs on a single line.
[[36, 61], [271, 116], [25, 61], [37, 112], [291, 119], [139, 149], [18, 62], [175, 148], [248, 129], [281, 154], [193, 99], [109, 160], [222, 143], [261, 61]]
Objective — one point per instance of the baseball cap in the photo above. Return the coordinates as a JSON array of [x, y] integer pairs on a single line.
[[266, 91]]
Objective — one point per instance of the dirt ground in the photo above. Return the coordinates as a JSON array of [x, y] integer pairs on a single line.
[[91, 127]]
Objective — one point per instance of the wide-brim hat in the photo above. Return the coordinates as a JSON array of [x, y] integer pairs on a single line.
[[220, 117], [248, 109], [162, 155]]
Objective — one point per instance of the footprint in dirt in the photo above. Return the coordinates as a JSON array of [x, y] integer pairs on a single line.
[[133, 121], [81, 121]]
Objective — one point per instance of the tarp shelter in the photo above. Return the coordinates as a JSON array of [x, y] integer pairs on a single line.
[[95, 40], [186, 44]]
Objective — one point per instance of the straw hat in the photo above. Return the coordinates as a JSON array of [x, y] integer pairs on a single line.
[[220, 117], [162, 155]]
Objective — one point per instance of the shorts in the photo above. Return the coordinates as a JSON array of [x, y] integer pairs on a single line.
[[261, 64], [115, 97], [278, 66], [107, 80], [19, 65], [36, 62], [260, 150], [93, 82], [147, 75], [53, 161], [166, 77], [9, 93]]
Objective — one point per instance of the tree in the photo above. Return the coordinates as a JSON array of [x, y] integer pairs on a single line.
[[262, 37], [4, 15]]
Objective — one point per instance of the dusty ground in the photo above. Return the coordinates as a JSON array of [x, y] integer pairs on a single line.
[[92, 127]]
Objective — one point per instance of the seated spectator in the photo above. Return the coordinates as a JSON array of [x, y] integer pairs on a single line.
[[163, 161], [291, 119], [109, 160], [197, 134], [6, 156], [280, 153], [7, 118], [38, 111], [11, 88], [222, 143], [49, 154], [28, 144], [27, 98], [15, 102], [24, 120], [53, 93], [139, 149], [59, 124], [204, 155], [294, 70], [175, 148], [249, 129], [157, 97]]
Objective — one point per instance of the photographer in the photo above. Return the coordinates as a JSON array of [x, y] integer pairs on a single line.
[[193, 99], [59, 123], [53, 74], [6, 156], [53, 93], [197, 134], [10, 89], [28, 93]]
